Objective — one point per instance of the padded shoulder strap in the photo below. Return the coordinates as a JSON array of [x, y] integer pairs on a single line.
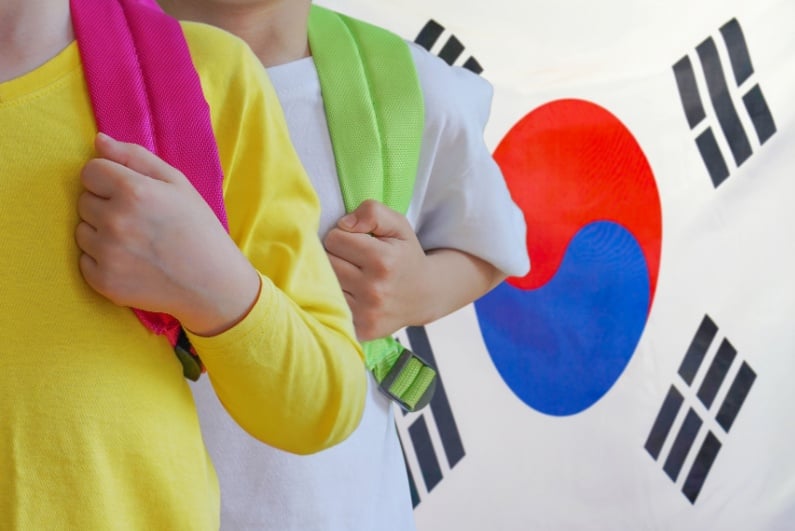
[[374, 107], [145, 89], [376, 114]]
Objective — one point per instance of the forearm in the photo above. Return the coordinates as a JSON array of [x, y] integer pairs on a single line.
[[452, 280], [290, 372], [289, 377]]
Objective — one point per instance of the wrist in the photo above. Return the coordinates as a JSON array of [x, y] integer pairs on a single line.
[[427, 293], [220, 306]]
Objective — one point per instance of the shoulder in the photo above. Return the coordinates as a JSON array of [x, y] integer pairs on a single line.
[[452, 94], [244, 108], [226, 65]]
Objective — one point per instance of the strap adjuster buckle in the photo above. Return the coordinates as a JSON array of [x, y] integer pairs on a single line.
[[191, 364], [410, 382]]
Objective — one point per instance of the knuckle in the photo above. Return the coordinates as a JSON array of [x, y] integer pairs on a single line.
[[103, 258], [133, 205], [369, 209], [136, 191], [117, 226], [84, 264], [136, 150], [83, 205], [178, 177], [90, 169], [105, 280], [94, 275], [384, 267], [81, 234], [332, 238], [376, 298]]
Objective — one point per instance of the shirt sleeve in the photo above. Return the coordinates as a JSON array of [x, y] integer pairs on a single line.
[[461, 200], [291, 372]]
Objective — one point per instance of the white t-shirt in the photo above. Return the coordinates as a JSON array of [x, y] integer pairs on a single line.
[[460, 201]]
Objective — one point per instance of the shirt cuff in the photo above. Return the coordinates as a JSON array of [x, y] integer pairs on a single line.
[[239, 333]]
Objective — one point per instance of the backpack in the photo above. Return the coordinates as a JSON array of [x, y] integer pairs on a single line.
[[133, 97]]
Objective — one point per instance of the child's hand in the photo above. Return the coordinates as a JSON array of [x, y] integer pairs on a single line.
[[150, 241], [381, 268]]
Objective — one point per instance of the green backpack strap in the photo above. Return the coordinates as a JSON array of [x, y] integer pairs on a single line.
[[375, 113]]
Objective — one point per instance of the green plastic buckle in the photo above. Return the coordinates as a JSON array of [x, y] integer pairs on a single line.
[[191, 364], [410, 382]]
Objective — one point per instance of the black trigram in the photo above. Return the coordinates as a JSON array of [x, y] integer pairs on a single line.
[[450, 51], [723, 99], [718, 419], [437, 416]]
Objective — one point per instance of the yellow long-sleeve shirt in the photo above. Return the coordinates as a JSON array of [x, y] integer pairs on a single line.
[[97, 425]]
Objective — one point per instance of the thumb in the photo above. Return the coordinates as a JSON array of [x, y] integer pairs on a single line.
[[377, 219], [135, 157]]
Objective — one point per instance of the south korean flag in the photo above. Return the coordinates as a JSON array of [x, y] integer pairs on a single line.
[[640, 376]]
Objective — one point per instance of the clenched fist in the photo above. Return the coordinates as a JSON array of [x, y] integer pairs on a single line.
[[381, 267], [149, 241]]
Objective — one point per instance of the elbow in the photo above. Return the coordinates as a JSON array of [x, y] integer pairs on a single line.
[[495, 278], [338, 419], [311, 424]]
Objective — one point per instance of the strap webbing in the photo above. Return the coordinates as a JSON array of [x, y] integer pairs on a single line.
[[375, 113], [144, 89], [374, 107]]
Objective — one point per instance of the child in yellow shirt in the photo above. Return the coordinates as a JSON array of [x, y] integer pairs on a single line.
[[98, 429]]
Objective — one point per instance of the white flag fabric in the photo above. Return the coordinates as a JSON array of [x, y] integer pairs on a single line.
[[642, 375]]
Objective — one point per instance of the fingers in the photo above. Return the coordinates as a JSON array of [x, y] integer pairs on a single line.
[[96, 277], [355, 289], [88, 268], [363, 332], [136, 158], [365, 298], [348, 274], [372, 217], [117, 214], [103, 177], [90, 208], [360, 249], [88, 241], [124, 169]]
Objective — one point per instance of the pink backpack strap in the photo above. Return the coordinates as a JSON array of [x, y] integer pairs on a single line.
[[145, 89]]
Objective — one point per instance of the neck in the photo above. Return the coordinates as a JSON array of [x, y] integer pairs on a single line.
[[31, 33], [274, 29]]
